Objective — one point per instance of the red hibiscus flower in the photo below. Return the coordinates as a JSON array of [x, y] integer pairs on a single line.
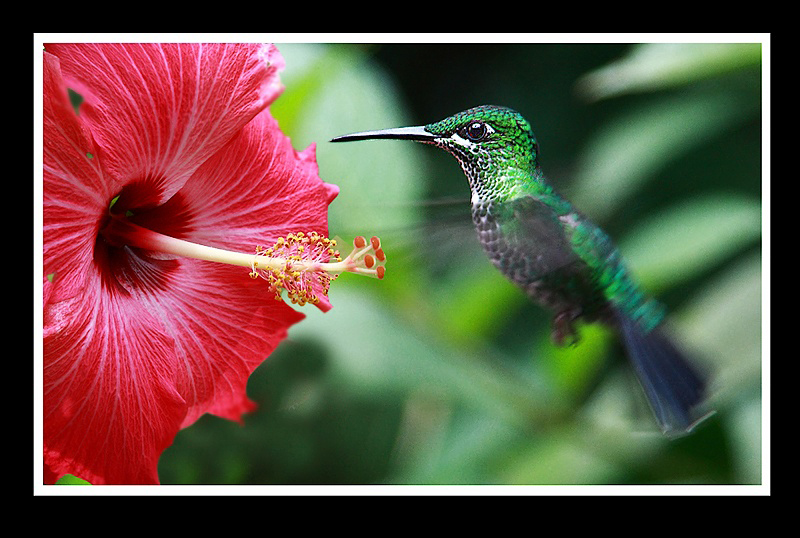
[[171, 164]]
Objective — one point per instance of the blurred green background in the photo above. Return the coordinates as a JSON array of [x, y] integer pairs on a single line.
[[443, 373]]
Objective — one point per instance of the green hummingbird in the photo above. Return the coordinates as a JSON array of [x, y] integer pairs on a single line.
[[557, 256]]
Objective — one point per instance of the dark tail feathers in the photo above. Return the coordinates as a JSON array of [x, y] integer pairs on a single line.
[[675, 389]]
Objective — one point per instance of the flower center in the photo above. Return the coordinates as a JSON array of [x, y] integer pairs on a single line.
[[122, 265], [302, 264]]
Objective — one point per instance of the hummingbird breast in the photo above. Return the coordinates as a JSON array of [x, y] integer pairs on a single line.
[[525, 241]]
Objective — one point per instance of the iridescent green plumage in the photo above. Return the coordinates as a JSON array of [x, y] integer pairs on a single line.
[[535, 237], [559, 258]]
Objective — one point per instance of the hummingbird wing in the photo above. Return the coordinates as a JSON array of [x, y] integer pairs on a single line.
[[537, 249], [532, 245]]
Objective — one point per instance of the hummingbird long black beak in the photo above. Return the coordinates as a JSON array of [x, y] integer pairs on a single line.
[[400, 133]]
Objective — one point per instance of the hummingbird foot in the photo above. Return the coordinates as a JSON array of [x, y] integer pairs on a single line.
[[564, 332]]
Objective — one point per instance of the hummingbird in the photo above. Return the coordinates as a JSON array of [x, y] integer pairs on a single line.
[[557, 256]]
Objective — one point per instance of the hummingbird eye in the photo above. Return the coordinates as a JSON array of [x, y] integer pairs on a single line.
[[476, 131]]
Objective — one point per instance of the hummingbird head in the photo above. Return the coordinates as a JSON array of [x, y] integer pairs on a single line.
[[494, 145], [486, 136]]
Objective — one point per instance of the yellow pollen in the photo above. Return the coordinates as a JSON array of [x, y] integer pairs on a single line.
[[304, 264]]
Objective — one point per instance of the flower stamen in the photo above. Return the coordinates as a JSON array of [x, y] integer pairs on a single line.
[[304, 265]]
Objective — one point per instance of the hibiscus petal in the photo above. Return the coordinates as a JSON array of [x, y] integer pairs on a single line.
[[157, 111], [262, 190], [124, 372], [138, 344], [256, 189], [224, 325], [110, 407], [75, 189]]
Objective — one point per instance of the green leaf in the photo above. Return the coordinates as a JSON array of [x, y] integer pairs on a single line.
[[747, 444], [374, 351], [657, 66], [70, 480], [574, 367], [332, 91], [630, 150], [476, 301], [724, 324], [684, 240]]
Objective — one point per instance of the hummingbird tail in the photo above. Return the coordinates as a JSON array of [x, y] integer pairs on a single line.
[[675, 389]]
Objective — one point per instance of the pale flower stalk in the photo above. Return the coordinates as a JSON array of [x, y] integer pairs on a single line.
[[294, 263]]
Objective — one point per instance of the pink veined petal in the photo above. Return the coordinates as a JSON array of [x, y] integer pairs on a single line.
[[138, 345], [224, 325], [253, 191], [262, 189], [158, 111], [124, 372], [110, 407], [75, 188]]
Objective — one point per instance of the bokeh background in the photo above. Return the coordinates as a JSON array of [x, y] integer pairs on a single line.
[[444, 373]]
